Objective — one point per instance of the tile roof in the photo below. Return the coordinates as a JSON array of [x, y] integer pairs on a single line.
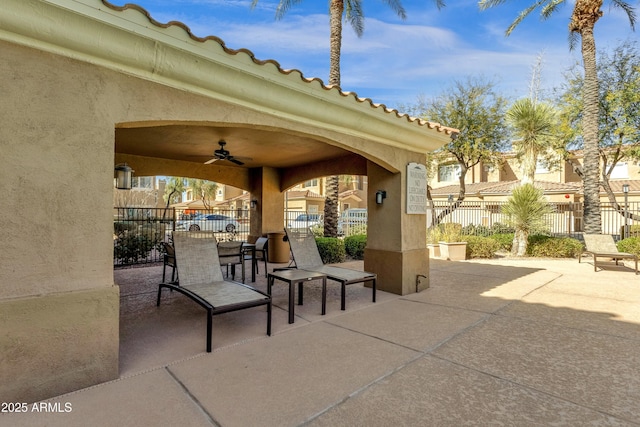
[[430, 125], [505, 187], [303, 194]]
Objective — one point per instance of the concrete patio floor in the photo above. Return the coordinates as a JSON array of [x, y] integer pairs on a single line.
[[491, 342]]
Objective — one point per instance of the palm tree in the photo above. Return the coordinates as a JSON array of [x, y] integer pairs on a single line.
[[352, 11], [583, 19], [534, 124]]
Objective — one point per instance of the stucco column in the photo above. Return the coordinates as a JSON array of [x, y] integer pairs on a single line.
[[268, 216], [396, 242]]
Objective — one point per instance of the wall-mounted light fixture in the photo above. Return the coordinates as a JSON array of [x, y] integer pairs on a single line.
[[253, 203], [380, 196], [124, 176]]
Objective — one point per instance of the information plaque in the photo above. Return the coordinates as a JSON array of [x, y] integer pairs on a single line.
[[416, 189]]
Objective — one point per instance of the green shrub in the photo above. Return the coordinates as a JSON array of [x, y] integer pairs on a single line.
[[331, 249], [505, 240], [554, 247], [123, 227], [630, 245], [354, 245], [155, 232], [131, 247], [451, 232], [434, 234], [500, 228], [481, 247], [476, 230]]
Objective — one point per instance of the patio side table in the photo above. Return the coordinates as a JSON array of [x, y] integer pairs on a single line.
[[293, 277]]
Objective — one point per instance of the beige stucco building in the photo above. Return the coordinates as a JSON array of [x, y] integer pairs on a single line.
[[559, 182], [86, 86]]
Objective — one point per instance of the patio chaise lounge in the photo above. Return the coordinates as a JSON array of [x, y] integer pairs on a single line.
[[603, 246], [307, 257], [201, 280]]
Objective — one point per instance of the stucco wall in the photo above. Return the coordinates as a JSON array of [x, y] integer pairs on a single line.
[[59, 322]]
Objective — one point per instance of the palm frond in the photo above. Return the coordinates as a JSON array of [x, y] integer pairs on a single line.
[[354, 14], [573, 39], [486, 4], [397, 7], [523, 15], [629, 10], [283, 7], [550, 8]]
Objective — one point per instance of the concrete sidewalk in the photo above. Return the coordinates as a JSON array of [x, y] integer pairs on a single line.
[[491, 342]]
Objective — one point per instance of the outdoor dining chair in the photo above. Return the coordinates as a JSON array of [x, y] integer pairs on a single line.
[[307, 257], [231, 255], [201, 280], [260, 254]]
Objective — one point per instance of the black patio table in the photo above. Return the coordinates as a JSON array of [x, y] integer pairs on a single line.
[[293, 276]]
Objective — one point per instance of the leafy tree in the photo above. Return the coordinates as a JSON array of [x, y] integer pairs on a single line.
[[352, 12], [619, 113], [172, 192], [535, 126], [205, 190], [526, 210], [583, 19], [473, 107]]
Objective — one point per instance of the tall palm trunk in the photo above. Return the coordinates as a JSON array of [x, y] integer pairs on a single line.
[[336, 9], [592, 218]]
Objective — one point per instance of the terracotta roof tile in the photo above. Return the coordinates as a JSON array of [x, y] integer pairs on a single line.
[[299, 194], [505, 187]]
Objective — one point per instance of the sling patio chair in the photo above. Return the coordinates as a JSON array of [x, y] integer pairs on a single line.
[[169, 259], [201, 280], [260, 249], [231, 255], [307, 257], [603, 246]]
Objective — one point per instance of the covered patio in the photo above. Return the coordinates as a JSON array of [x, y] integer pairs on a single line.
[[87, 86]]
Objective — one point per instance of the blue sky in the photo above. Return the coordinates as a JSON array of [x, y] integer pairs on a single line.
[[396, 61]]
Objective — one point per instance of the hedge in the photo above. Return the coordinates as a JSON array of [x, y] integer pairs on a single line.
[[331, 249], [354, 245]]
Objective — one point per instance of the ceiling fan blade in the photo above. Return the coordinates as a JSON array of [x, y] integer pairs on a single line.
[[208, 162], [237, 162]]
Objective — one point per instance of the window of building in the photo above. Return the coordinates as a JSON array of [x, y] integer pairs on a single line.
[[620, 171], [142, 182], [450, 172], [311, 183]]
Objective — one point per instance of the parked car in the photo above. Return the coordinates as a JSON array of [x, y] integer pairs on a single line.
[[306, 221], [352, 221], [209, 222]]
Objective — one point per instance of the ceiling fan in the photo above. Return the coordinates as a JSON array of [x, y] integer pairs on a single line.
[[223, 154]]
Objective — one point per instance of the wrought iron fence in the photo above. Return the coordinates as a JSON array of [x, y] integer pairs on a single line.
[[139, 233], [350, 221], [566, 219]]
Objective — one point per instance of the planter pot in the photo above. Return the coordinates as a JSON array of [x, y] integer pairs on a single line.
[[434, 250], [454, 251]]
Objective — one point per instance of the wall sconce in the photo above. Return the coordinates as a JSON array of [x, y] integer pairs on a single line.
[[253, 203], [124, 175], [380, 196]]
